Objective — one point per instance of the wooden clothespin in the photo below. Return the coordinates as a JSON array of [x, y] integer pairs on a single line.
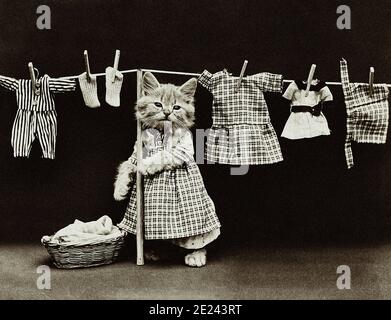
[[310, 79], [371, 80], [244, 67], [116, 62], [87, 65], [32, 76]]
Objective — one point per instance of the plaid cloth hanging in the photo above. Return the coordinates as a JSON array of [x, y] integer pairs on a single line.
[[367, 116], [242, 133]]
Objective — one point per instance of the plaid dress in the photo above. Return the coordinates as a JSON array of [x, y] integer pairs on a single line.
[[367, 117], [176, 203], [242, 133]]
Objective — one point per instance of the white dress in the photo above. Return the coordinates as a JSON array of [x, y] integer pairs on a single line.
[[306, 124]]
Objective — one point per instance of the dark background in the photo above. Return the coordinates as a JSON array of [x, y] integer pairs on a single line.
[[310, 197]]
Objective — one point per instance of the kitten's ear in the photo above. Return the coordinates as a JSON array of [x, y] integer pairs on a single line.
[[150, 83], [189, 88]]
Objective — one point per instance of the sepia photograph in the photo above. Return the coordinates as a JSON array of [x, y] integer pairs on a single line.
[[195, 156]]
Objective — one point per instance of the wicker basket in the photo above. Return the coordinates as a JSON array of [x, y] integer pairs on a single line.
[[84, 255]]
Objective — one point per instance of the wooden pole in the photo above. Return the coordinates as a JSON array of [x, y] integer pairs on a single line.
[[139, 182]]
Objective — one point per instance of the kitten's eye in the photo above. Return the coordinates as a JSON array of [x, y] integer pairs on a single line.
[[158, 104], [176, 107]]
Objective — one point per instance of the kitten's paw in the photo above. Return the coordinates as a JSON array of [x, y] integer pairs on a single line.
[[124, 177], [142, 168], [196, 258], [120, 192], [149, 169], [153, 169], [151, 255]]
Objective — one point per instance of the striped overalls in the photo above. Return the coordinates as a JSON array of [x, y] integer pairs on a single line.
[[36, 115]]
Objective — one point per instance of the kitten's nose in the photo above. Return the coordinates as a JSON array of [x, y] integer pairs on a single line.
[[166, 113]]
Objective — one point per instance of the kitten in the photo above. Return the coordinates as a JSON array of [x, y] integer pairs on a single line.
[[162, 105], [168, 109]]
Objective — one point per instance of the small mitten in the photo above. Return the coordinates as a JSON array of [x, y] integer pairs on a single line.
[[113, 89], [89, 90]]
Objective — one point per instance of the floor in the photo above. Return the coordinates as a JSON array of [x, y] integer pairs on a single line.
[[238, 273]]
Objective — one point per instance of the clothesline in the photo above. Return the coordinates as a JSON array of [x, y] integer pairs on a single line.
[[190, 74], [99, 74]]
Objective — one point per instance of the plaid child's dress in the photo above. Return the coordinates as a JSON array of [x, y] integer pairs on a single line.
[[176, 203], [367, 117], [242, 133]]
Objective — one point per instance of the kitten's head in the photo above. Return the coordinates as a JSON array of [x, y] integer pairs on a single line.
[[164, 103]]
